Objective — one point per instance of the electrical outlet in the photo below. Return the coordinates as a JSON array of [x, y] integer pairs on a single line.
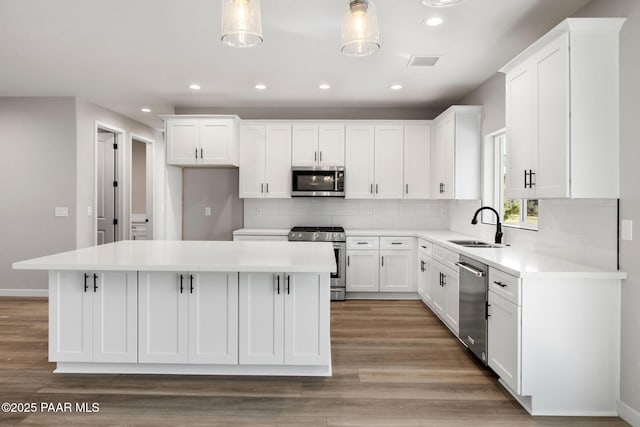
[[207, 211], [62, 211], [626, 229], [89, 210]]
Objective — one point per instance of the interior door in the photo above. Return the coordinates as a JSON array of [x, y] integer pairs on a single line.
[[107, 189]]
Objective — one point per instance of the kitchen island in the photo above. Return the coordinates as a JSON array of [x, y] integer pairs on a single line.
[[186, 307]]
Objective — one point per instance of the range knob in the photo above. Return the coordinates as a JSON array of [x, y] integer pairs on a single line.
[[299, 235], [316, 236]]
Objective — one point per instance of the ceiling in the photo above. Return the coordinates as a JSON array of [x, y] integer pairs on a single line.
[[128, 54]]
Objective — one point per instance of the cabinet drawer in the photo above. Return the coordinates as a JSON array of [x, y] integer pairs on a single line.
[[391, 243], [505, 285], [363, 242], [446, 256], [425, 247]]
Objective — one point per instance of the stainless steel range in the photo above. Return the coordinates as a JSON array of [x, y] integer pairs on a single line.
[[335, 235]]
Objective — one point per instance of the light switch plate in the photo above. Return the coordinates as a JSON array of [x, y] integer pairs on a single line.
[[207, 211], [89, 210], [62, 211], [626, 229]]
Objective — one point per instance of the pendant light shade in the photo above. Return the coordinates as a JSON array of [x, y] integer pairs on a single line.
[[360, 35], [241, 23], [441, 3]]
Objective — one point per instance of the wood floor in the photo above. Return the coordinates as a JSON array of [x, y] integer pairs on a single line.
[[394, 364]]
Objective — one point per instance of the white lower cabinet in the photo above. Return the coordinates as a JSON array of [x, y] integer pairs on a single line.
[[446, 294], [380, 264], [425, 280], [283, 319], [93, 316], [188, 317], [504, 342]]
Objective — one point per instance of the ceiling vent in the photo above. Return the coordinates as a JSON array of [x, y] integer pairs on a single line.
[[422, 61]]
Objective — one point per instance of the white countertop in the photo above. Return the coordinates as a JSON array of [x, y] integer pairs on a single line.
[[261, 232], [159, 255], [512, 260]]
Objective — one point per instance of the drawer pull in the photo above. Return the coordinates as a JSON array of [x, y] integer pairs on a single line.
[[396, 243], [503, 285], [363, 243]]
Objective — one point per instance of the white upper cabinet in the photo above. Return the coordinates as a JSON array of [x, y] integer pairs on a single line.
[[562, 113], [456, 154], [202, 140], [389, 160], [374, 161], [359, 161], [317, 144], [265, 160], [417, 158]]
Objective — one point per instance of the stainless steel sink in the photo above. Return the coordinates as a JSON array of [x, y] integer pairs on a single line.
[[474, 244]]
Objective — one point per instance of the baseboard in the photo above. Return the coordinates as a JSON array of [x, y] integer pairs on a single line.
[[383, 295], [24, 292], [629, 414]]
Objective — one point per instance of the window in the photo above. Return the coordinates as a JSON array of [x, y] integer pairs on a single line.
[[521, 213]]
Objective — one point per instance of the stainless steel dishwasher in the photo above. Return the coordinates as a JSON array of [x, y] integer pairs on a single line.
[[473, 306]]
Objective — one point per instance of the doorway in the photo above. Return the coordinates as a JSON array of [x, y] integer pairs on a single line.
[[141, 189], [108, 206]]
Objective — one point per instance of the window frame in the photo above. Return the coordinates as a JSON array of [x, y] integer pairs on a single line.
[[496, 162]]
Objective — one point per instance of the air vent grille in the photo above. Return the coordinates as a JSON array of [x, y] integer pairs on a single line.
[[422, 61]]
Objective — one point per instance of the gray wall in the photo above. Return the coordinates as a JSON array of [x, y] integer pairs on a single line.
[[630, 190], [38, 173], [216, 188]]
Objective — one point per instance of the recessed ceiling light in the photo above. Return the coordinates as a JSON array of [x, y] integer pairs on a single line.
[[434, 21], [441, 3], [395, 87], [194, 86], [324, 86], [260, 86], [145, 110]]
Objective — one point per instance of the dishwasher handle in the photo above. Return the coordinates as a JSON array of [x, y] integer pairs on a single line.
[[475, 272]]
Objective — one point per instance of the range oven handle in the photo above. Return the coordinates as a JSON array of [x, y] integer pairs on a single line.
[[475, 272]]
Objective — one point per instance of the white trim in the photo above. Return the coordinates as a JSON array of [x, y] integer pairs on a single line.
[[120, 140], [629, 414], [150, 177], [384, 295], [24, 293], [191, 369]]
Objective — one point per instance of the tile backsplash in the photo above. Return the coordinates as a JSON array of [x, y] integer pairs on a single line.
[[581, 231], [350, 214]]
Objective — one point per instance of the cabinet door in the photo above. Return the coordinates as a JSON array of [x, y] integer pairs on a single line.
[[443, 158], [452, 299], [552, 118], [252, 160], [363, 271], [389, 161], [304, 144], [70, 316], [216, 142], [396, 271], [115, 317], [417, 161], [182, 142], [504, 340], [359, 152], [213, 318], [438, 294], [163, 317], [331, 144], [306, 312], [521, 155], [278, 161], [425, 281], [261, 319]]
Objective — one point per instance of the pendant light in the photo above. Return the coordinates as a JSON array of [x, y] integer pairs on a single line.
[[360, 35], [241, 23]]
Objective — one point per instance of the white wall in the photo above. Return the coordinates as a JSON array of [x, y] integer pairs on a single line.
[[37, 174], [350, 214], [167, 180], [630, 192]]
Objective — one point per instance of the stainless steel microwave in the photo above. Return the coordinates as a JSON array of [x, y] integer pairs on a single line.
[[317, 181]]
